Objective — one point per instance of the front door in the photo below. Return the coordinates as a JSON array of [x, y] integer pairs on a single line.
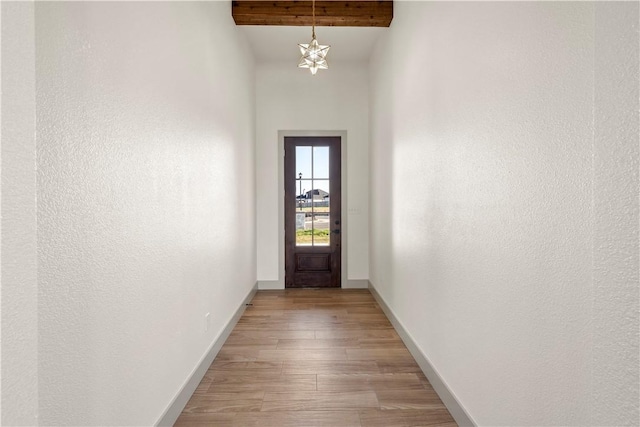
[[312, 212]]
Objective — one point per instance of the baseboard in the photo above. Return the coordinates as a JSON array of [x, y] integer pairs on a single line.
[[446, 395], [356, 284], [175, 408], [269, 285]]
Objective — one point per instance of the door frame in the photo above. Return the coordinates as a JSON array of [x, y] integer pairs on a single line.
[[344, 223]]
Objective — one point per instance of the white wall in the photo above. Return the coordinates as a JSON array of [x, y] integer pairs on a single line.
[[616, 278], [291, 99], [504, 221], [19, 385], [145, 200]]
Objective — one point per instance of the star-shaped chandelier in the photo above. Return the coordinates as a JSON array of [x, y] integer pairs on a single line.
[[313, 54]]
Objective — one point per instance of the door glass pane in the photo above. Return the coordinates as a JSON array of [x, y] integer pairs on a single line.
[[321, 229], [303, 162], [304, 230], [321, 162], [303, 199], [321, 195]]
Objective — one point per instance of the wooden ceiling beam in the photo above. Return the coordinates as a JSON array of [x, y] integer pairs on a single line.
[[359, 13]]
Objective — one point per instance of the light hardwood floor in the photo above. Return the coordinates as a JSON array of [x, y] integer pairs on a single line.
[[314, 357]]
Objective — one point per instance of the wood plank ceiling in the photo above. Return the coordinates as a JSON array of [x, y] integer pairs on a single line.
[[360, 13]]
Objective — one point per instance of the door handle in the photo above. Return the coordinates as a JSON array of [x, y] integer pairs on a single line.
[[336, 231]]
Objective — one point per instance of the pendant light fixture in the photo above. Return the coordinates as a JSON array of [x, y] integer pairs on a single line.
[[313, 54]]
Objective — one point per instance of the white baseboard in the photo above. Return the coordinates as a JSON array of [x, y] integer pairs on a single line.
[[356, 284], [446, 395], [269, 285], [175, 408]]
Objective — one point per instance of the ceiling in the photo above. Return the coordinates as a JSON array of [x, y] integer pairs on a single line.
[[274, 28], [279, 43]]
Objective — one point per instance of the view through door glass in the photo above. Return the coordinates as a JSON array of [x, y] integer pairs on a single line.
[[313, 198]]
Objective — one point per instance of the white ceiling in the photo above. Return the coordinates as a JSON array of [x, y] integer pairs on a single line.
[[279, 43]]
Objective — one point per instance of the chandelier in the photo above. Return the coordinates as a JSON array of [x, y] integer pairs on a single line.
[[313, 54]]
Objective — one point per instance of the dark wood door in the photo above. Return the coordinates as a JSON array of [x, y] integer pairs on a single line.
[[312, 212]]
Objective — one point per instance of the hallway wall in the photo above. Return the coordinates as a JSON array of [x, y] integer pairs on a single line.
[[291, 99], [504, 221], [19, 327], [145, 186]]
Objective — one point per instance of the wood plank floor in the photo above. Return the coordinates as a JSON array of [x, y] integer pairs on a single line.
[[314, 357]]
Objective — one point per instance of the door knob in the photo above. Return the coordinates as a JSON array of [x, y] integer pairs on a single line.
[[336, 231]]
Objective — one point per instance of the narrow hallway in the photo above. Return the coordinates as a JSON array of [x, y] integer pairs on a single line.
[[489, 182], [314, 357]]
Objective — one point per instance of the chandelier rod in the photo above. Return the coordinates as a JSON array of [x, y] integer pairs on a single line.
[[313, 19]]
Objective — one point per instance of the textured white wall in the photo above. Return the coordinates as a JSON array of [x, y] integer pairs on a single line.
[[145, 189], [19, 385], [291, 99], [504, 221], [616, 278]]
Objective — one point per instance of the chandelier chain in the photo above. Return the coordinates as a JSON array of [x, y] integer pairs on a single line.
[[313, 22]]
